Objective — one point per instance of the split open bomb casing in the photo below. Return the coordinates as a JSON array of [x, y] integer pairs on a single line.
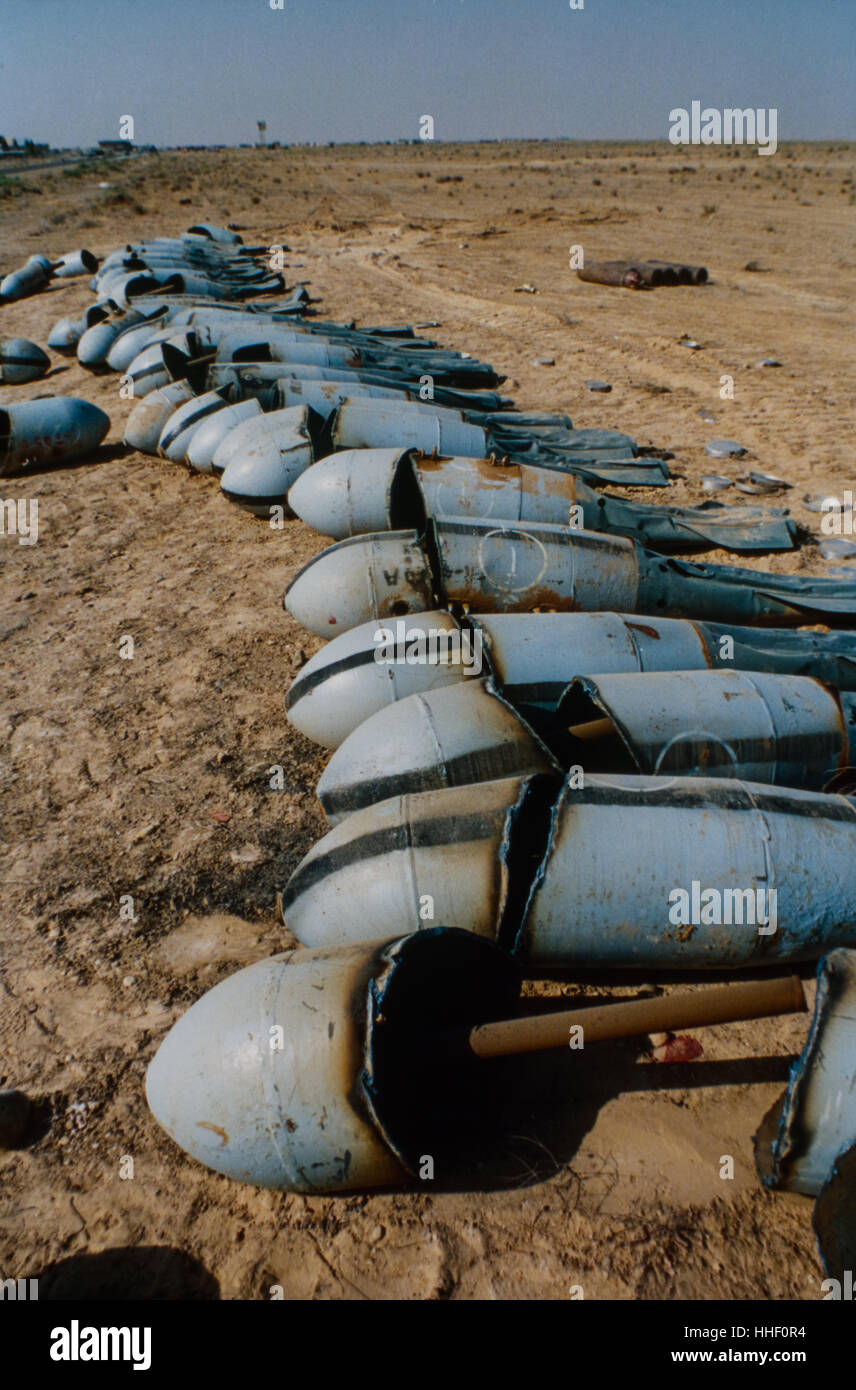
[[533, 657], [605, 874], [306, 1071], [783, 730], [363, 490]]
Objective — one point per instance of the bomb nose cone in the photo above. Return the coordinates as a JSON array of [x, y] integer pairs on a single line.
[[410, 861], [21, 361], [50, 429], [451, 737], [211, 433], [344, 683], [261, 457], [256, 1079], [349, 493], [384, 575], [309, 1071]]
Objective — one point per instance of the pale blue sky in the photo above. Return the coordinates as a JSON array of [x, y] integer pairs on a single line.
[[204, 71]]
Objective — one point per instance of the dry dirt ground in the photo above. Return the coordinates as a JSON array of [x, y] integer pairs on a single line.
[[149, 778]]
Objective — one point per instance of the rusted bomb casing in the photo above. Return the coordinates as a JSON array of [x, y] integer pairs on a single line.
[[301, 1071], [213, 430], [290, 348], [22, 361], [533, 657], [49, 430], [362, 490], [623, 871], [180, 428], [325, 397], [260, 458], [449, 737], [408, 425], [686, 274], [787, 730], [623, 274], [492, 567], [147, 420], [818, 1117]]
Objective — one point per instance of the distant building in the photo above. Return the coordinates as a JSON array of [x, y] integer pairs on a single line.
[[115, 146]]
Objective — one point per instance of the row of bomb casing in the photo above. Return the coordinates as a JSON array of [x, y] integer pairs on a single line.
[[280, 1123], [53, 430], [363, 388]]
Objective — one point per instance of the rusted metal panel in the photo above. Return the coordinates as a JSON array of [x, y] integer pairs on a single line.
[[495, 568]]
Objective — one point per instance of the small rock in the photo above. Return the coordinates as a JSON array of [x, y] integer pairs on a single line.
[[129, 981], [723, 448], [814, 502], [753, 265], [680, 1049], [221, 817], [706, 415], [598, 386], [16, 1113], [836, 548], [769, 362], [543, 362], [688, 343]]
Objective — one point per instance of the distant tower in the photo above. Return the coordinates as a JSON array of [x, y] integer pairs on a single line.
[[262, 125]]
